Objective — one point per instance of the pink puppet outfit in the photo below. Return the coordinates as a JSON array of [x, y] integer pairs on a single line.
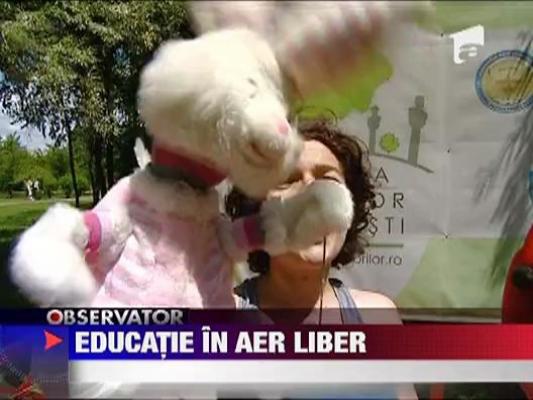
[[219, 102], [157, 243]]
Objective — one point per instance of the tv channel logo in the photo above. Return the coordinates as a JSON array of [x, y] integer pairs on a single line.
[[467, 42]]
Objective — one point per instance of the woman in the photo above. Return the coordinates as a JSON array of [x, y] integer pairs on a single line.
[[297, 281]]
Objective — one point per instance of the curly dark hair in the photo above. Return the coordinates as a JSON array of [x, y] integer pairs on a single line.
[[353, 157]]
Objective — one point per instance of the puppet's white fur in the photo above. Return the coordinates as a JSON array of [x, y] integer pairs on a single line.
[[220, 97], [141, 154], [66, 279], [49, 265]]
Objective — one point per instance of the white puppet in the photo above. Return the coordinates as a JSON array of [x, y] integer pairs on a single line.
[[318, 44], [216, 107]]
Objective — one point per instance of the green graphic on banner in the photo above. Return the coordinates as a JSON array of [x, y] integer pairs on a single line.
[[356, 94], [389, 142]]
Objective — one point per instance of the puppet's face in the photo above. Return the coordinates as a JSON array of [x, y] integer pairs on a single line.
[[261, 145], [220, 97]]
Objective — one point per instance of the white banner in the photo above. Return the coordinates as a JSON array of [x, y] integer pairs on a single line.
[[450, 132]]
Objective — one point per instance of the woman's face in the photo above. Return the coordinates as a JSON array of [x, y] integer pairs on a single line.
[[316, 162]]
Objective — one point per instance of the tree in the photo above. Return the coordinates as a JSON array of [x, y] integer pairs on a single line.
[[40, 85], [56, 159], [134, 31], [72, 68], [12, 157]]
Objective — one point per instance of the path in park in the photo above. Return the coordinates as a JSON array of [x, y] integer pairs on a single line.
[[26, 202]]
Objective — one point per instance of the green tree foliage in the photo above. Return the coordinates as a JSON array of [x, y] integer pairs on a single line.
[[49, 166], [71, 69], [12, 156], [57, 160]]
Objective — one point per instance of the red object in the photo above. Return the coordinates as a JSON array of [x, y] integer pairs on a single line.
[[28, 390], [55, 316], [191, 165], [528, 390], [92, 222], [436, 391], [518, 301], [51, 340], [517, 304]]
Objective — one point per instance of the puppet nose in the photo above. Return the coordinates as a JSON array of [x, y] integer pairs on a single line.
[[269, 138], [283, 127]]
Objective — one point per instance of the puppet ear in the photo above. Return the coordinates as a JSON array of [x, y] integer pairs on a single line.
[[320, 44], [254, 15]]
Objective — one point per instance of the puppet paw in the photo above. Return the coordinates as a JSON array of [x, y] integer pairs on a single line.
[[48, 263], [300, 221], [327, 208]]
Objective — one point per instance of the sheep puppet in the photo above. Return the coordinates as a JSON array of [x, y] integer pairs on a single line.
[[216, 107]]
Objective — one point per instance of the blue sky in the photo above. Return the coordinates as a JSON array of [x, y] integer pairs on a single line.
[[29, 137]]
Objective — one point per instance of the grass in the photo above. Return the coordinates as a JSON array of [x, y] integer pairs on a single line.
[[15, 216]]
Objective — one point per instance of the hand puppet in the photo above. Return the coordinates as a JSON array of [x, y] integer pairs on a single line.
[[217, 107]]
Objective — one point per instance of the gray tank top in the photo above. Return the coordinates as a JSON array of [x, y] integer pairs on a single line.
[[248, 299]]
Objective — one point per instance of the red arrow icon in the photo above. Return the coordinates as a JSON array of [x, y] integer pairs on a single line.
[[51, 340]]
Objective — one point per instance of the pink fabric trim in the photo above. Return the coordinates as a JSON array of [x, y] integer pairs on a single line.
[[194, 166], [92, 222], [254, 233], [239, 235]]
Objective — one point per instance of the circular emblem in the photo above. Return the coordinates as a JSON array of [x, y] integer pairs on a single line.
[[504, 81]]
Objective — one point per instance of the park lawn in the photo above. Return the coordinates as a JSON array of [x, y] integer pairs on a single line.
[[15, 216]]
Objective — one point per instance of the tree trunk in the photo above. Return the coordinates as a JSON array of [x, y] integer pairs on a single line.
[[108, 84], [98, 167], [94, 188], [71, 164], [110, 169]]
